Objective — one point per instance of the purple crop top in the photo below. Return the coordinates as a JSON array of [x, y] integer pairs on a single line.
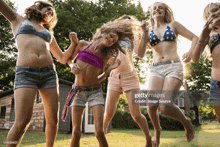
[[91, 58]]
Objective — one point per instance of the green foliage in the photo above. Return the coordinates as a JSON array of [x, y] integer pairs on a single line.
[[198, 75], [123, 102], [190, 115], [123, 119], [8, 53], [206, 110], [84, 18]]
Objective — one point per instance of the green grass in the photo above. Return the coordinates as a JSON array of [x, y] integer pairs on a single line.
[[206, 135]]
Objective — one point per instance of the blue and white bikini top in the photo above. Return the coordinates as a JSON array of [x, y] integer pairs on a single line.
[[169, 35], [27, 27]]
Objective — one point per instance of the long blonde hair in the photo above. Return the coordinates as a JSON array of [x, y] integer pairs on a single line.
[[168, 14]]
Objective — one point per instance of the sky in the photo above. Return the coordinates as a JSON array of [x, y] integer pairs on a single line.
[[187, 12]]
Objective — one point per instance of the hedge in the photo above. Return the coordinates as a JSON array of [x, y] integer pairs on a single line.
[[123, 119]]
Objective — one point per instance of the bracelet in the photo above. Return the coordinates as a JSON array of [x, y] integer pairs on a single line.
[[71, 64]]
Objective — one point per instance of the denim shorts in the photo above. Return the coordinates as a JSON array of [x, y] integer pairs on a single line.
[[93, 97], [35, 77], [170, 70], [214, 91]]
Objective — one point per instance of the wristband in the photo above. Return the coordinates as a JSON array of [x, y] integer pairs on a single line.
[[71, 64]]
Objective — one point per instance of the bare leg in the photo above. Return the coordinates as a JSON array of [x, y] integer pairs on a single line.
[[217, 111], [24, 102], [139, 118], [110, 107], [155, 84], [171, 84], [50, 99], [98, 113], [77, 114]]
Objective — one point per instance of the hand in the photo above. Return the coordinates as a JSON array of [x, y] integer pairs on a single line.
[[112, 59], [75, 68], [144, 26], [186, 57], [114, 63], [73, 37], [206, 30]]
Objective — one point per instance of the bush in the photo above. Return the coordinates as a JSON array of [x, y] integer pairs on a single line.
[[123, 119]]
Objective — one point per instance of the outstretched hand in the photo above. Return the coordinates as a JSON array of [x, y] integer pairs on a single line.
[[144, 26], [186, 57], [73, 37], [114, 63], [75, 68], [216, 18]]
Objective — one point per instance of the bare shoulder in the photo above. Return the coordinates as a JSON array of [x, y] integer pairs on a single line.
[[82, 44], [176, 27], [174, 24]]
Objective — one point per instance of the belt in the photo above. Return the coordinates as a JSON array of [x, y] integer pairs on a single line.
[[40, 69], [90, 88], [71, 96], [168, 62]]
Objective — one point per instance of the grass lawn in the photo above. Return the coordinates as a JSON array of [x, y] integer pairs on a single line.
[[206, 135]]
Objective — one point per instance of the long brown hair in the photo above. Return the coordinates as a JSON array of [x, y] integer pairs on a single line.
[[123, 28], [168, 14], [34, 12]]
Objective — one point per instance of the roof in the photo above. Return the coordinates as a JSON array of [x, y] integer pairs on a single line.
[[7, 92]]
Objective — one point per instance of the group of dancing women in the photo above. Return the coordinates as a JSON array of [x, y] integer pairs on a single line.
[[112, 46]]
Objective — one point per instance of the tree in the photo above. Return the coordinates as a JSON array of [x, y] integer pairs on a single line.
[[79, 16], [8, 53], [84, 18], [198, 75]]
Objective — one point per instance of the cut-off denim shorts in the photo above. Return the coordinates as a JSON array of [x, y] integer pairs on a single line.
[[93, 97], [35, 77], [214, 90]]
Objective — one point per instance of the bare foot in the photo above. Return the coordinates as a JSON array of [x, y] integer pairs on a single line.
[[149, 142], [156, 140], [189, 130]]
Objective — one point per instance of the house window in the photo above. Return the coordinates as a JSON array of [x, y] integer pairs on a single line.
[[12, 112], [180, 102], [90, 117], [3, 112], [38, 98]]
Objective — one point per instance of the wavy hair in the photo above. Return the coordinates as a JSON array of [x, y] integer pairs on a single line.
[[123, 28], [168, 14], [34, 12], [205, 13]]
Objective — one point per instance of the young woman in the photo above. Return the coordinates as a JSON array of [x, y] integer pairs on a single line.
[[121, 78], [167, 69], [211, 35], [91, 59], [35, 69]]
